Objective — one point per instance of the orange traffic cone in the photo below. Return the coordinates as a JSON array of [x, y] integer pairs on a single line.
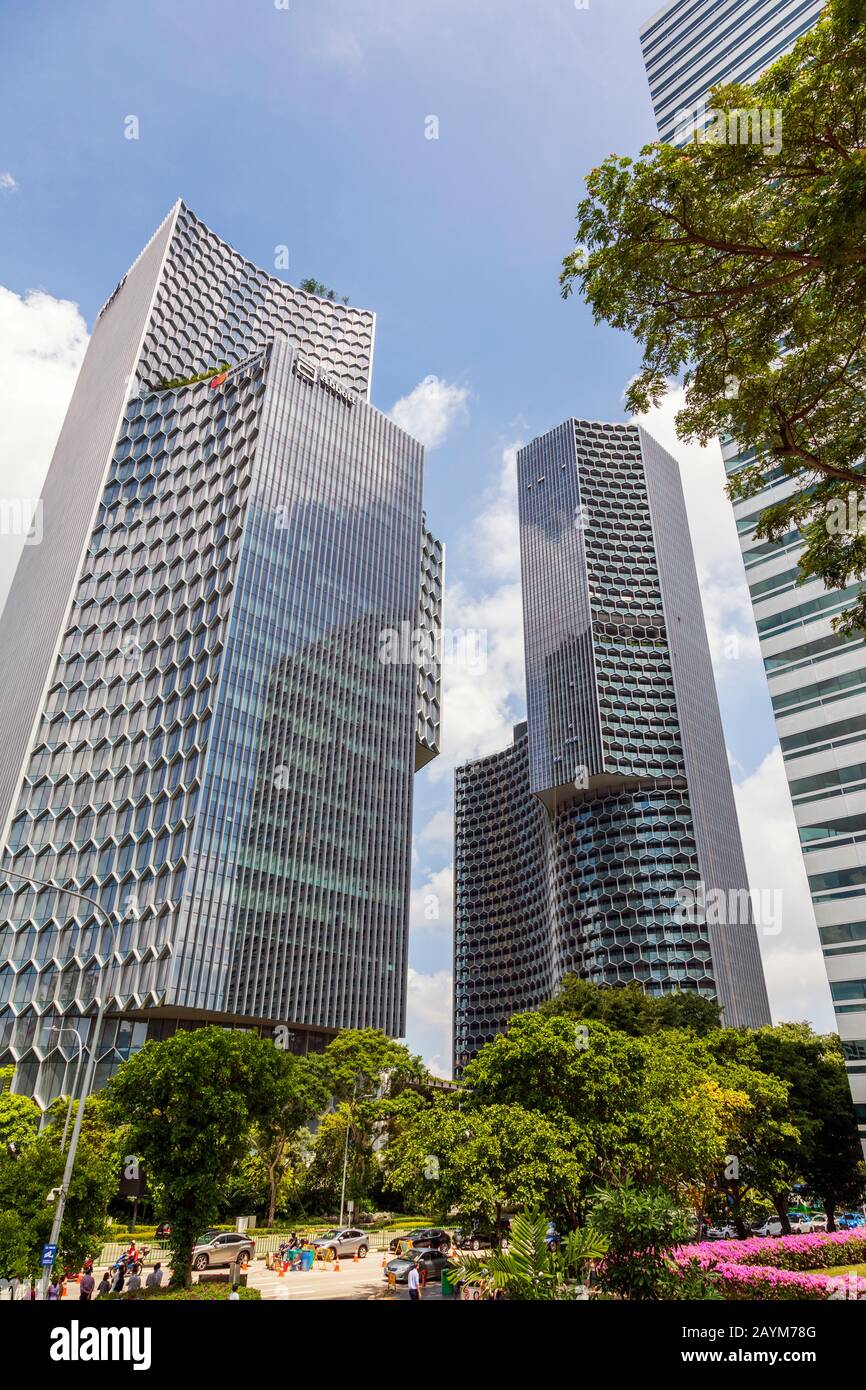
[[355, 1258], [282, 1269], [336, 1264], [384, 1260], [245, 1263]]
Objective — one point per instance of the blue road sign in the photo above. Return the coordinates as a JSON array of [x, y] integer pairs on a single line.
[[48, 1254]]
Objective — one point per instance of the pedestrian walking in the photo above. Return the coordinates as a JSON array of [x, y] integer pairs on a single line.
[[104, 1285], [414, 1282], [53, 1293], [86, 1287]]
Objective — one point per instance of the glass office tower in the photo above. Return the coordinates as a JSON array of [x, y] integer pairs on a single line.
[[582, 847], [220, 760], [817, 679], [693, 45]]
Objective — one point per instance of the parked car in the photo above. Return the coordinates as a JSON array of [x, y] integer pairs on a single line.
[[163, 1230], [850, 1220], [221, 1248], [723, 1232], [772, 1226], [806, 1223], [474, 1237], [345, 1241], [429, 1263], [425, 1238]]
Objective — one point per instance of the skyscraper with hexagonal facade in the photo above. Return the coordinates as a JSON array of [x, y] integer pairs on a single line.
[[206, 781], [596, 841]]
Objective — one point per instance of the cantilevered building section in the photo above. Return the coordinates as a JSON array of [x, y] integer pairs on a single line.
[[817, 679], [690, 46], [619, 792], [208, 740]]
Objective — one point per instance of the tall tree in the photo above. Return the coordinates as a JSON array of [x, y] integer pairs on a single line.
[[741, 266], [189, 1104]]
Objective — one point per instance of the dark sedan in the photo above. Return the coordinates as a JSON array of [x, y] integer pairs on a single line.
[[426, 1237]]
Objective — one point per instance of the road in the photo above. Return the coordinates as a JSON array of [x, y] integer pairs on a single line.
[[352, 1280]]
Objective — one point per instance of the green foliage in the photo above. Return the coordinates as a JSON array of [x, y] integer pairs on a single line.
[[822, 1146], [355, 1064], [178, 381], [27, 1178], [642, 1226], [196, 1293], [489, 1159], [718, 255], [528, 1270], [313, 286], [19, 1120], [189, 1104], [630, 1010]]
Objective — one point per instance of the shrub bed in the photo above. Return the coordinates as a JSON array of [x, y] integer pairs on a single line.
[[199, 1293], [773, 1267], [819, 1251]]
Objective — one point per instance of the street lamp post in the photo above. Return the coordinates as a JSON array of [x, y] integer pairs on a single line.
[[91, 1059], [67, 1028]]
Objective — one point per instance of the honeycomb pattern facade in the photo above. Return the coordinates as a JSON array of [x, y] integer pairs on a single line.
[[503, 933], [429, 724], [253, 535], [619, 789], [213, 305]]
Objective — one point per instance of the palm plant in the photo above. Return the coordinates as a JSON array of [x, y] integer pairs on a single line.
[[529, 1270]]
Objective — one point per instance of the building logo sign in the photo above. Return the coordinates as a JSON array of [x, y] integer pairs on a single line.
[[309, 371]]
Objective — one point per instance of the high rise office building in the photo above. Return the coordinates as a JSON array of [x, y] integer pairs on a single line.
[[690, 46], [595, 841], [202, 734], [817, 679]]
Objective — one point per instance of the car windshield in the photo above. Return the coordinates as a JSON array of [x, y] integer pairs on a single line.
[[329, 1235]]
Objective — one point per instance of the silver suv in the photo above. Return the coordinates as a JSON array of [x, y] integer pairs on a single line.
[[221, 1248], [343, 1242]]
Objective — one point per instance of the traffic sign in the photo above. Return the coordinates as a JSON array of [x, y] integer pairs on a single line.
[[48, 1254]]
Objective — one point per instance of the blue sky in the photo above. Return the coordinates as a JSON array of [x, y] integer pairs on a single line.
[[305, 126]]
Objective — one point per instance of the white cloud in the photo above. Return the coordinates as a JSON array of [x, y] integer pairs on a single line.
[[438, 831], [724, 592], [430, 410], [483, 698], [42, 343], [431, 906], [428, 1018], [793, 963], [496, 529], [7, 183]]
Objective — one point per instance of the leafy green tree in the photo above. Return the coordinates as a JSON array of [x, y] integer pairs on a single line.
[[630, 1010], [529, 1270], [189, 1104], [741, 267], [19, 1115], [300, 1094], [821, 1143], [365, 1063], [642, 1226], [28, 1177], [490, 1159]]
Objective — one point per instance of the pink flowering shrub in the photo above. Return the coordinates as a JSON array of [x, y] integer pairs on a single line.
[[771, 1267], [818, 1251]]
